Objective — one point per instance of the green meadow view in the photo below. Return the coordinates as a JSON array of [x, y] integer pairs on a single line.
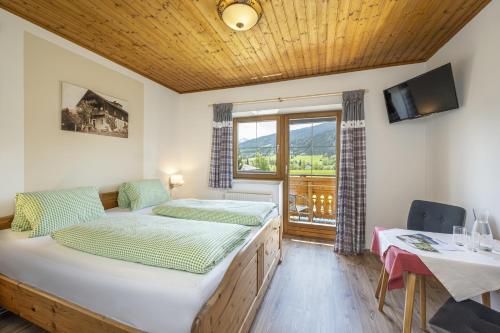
[[312, 150]]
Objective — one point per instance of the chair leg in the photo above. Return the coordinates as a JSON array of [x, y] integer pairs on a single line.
[[486, 299], [383, 289], [379, 284], [423, 305], [410, 297]]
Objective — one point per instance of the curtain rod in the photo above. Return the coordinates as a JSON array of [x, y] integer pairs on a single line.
[[292, 98]]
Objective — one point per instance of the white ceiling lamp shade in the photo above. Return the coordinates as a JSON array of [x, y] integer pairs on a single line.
[[239, 15]]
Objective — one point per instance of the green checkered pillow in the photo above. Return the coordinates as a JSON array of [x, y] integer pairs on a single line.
[[20, 222], [123, 200], [53, 210], [146, 193]]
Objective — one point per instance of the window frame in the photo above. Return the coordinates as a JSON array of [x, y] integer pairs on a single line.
[[278, 175]]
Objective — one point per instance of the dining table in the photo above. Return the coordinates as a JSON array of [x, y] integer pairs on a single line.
[[463, 271]]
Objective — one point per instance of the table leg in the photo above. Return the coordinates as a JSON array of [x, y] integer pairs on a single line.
[[423, 305], [486, 299], [383, 290], [410, 297], [380, 278]]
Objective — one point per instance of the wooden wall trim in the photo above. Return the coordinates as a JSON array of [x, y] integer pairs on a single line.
[[109, 200]]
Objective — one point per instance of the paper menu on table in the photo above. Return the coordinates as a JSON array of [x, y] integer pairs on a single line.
[[427, 243]]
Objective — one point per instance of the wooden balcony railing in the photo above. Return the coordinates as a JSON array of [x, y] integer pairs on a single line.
[[313, 199]]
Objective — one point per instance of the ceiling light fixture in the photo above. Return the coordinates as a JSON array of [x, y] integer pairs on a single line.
[[239, 15]]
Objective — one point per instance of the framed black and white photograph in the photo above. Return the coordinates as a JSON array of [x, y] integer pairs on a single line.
[[86, 111]]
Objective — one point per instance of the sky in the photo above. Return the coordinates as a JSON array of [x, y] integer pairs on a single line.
[[249, 131]]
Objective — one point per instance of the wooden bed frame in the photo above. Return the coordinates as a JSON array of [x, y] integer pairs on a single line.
[[231, 308]]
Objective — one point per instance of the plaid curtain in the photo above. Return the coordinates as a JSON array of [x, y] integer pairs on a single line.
[[221, 162], [351, 208]]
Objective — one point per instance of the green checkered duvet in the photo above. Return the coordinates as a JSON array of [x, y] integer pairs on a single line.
[[193, 246], [225, 211]]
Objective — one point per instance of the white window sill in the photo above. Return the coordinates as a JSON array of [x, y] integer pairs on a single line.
[[257, 181]]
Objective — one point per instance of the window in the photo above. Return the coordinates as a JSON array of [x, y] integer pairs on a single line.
[[313, 146], [307, 145], [256, 147]]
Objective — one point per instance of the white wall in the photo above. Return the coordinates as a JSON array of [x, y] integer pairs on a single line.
[[159, 106], [11, 114], [463, 145], [395, 153], [60, 159]]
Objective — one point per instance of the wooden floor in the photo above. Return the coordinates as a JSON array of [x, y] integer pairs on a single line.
[[314, 291]]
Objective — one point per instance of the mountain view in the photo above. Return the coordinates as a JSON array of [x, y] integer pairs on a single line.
[[312, 151]]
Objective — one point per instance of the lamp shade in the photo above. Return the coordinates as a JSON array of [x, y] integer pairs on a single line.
[[177, 180], [240, 15]]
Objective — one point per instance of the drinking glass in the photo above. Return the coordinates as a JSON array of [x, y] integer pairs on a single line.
[[459, 235], [469, 241]]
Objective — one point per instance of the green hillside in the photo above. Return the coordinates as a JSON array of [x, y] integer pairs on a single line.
[[312, 151], [323, 138]]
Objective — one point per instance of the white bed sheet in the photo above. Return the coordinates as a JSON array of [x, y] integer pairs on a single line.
[[152, 299]]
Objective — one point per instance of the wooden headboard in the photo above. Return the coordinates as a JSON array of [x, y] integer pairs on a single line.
[[109, 200]]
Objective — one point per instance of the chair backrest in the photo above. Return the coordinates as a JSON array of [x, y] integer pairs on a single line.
[[434, 217]]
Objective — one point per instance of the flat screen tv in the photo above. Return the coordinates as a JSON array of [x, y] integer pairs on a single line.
[[423, 95]]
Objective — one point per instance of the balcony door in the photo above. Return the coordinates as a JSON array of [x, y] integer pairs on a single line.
[[311, 168]]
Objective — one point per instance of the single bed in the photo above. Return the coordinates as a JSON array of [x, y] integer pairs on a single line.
[[55, 286]]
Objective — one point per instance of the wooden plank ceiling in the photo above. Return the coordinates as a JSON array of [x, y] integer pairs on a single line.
[[184, 45]]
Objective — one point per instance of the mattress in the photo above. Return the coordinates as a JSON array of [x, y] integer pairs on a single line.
[[148, 298]]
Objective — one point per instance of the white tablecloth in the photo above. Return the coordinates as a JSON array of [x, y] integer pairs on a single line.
[[463, 272]]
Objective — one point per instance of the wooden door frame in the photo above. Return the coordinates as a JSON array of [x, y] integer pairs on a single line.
[[322, 231]]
